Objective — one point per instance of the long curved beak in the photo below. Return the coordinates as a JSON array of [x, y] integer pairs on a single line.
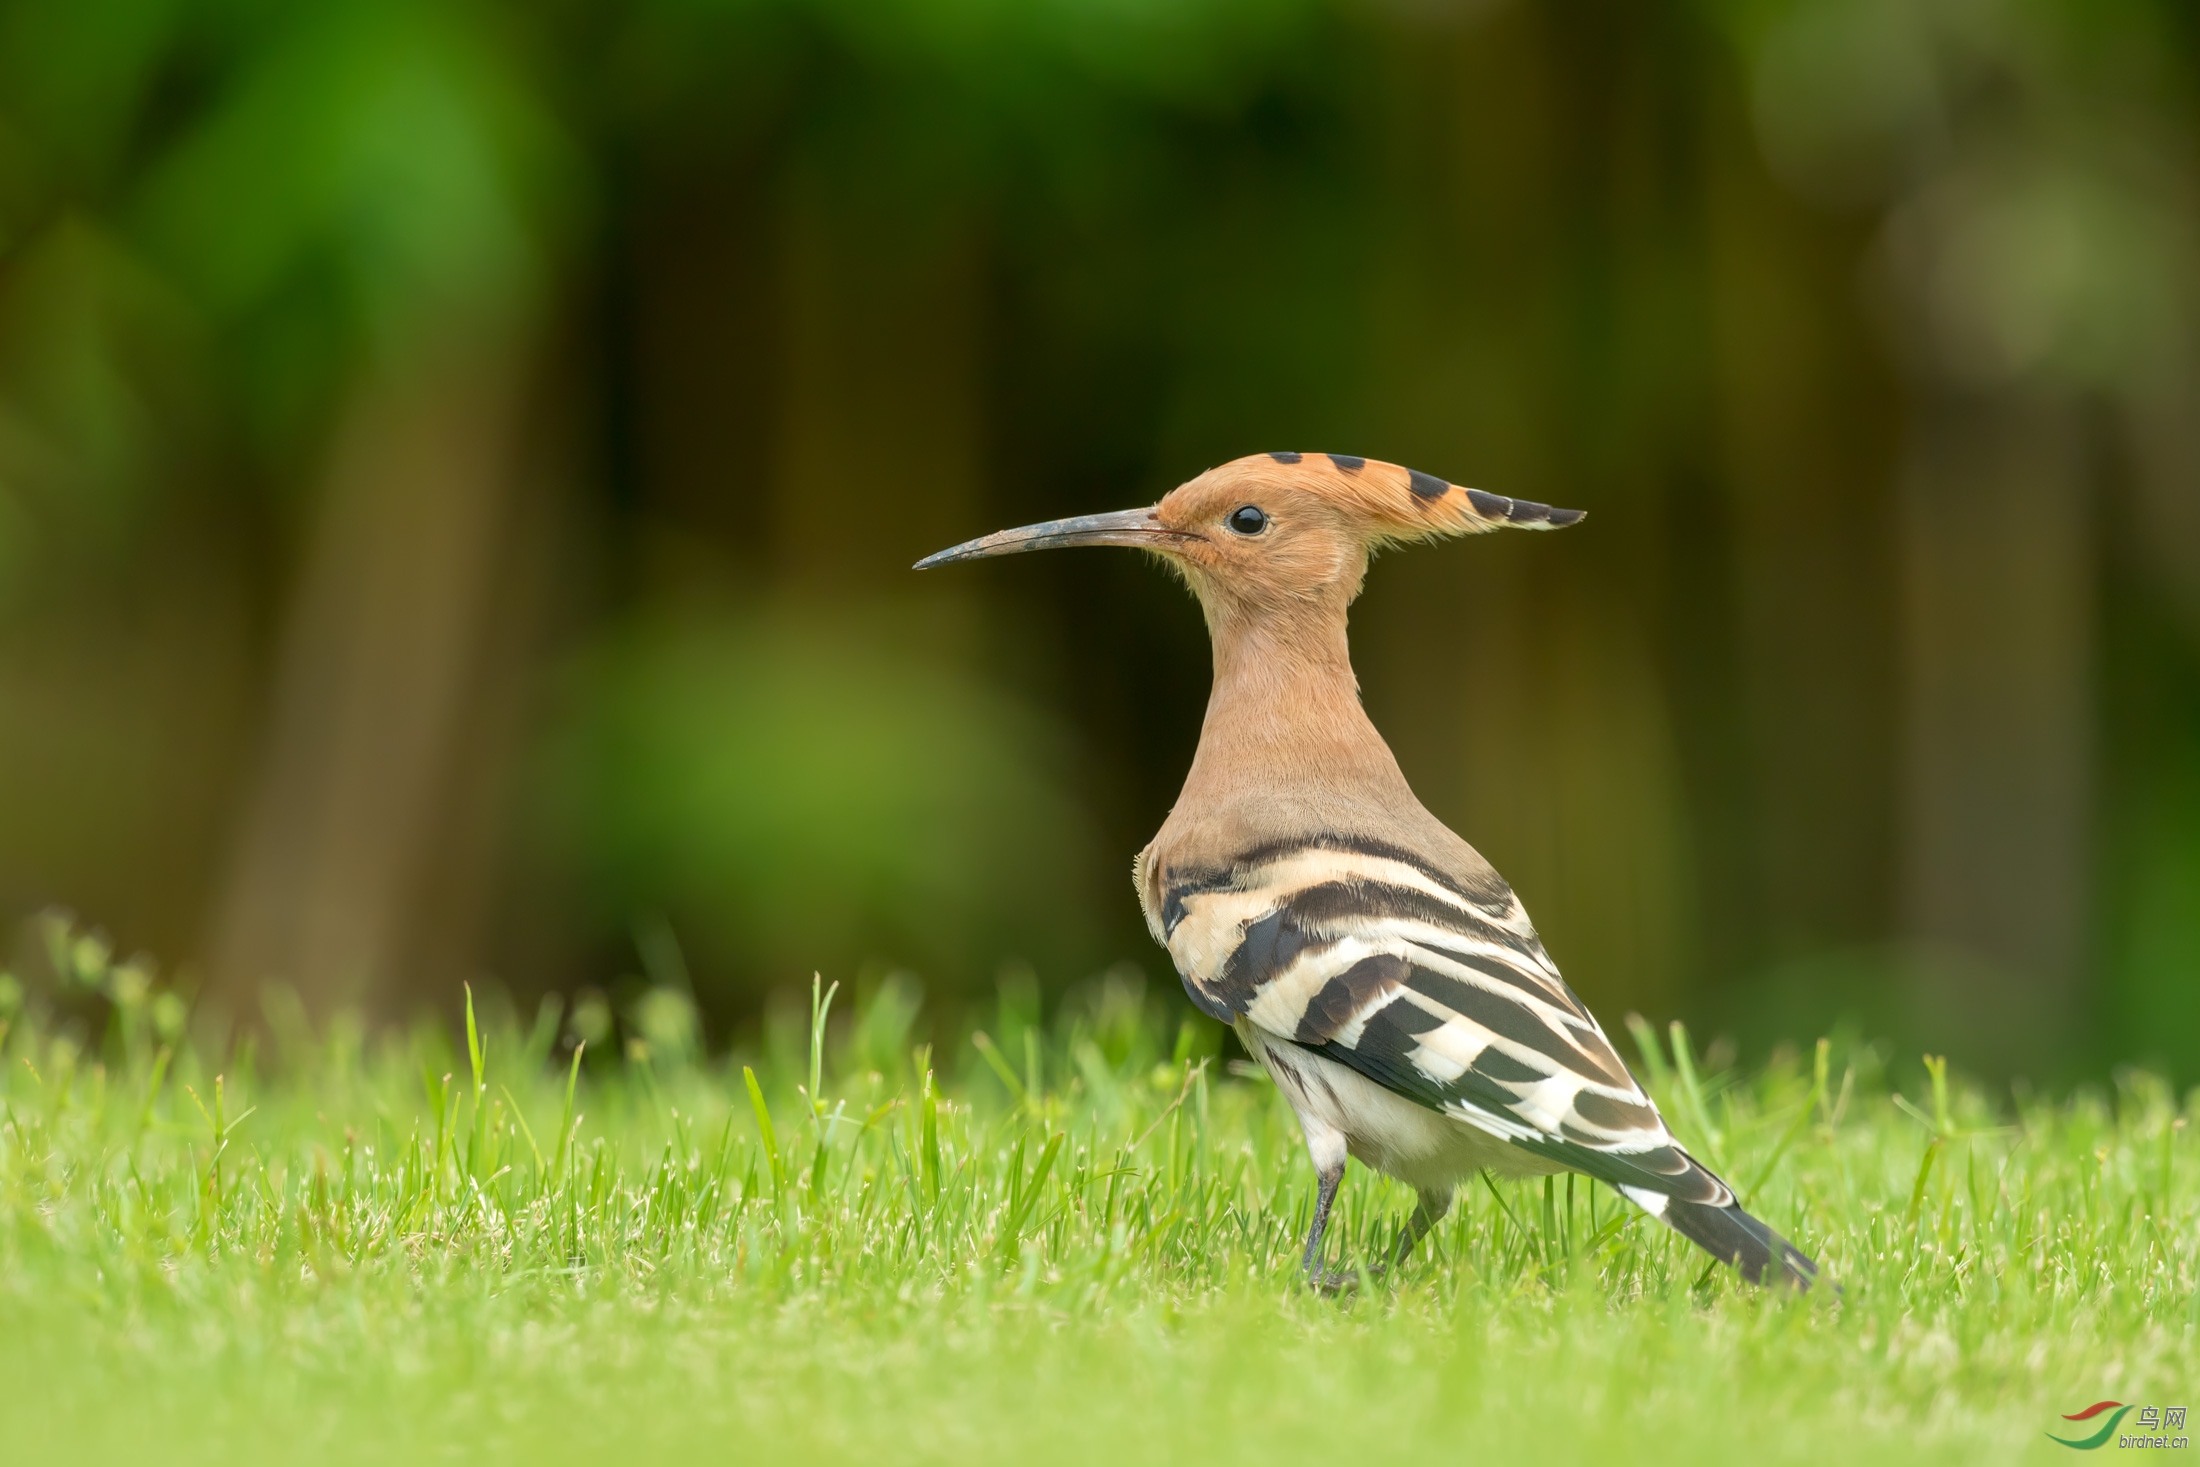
[[1134, 527]]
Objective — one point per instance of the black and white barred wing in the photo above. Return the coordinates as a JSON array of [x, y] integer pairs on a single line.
[[1362, 953]]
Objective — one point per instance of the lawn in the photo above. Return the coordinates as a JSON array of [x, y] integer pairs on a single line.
[[1073, 1241]]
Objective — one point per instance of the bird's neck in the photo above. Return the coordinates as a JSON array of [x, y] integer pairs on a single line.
[[1275, 670], [1285, 742]]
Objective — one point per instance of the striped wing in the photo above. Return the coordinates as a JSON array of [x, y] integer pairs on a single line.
[[1364, 954]]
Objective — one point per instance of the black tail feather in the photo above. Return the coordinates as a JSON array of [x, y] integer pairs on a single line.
[[1733, 1236]]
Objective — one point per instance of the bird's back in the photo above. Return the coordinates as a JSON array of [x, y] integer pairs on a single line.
[[1363, 928]]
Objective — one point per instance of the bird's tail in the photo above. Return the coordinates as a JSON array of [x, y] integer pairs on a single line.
[[1760, 1254], [1718, 1225]]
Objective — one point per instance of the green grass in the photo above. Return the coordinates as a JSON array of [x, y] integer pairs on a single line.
[[1075, 1244]]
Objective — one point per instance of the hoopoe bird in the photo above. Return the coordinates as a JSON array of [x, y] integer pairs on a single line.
[[1378, 967]]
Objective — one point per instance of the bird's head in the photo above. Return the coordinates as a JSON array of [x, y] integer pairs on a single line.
[[1280, 530]]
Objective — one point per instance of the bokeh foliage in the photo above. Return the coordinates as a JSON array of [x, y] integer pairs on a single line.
[[459, 464]]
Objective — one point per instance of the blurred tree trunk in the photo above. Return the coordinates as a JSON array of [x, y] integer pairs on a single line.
[[1998, 599], [343, 822], [1803, 781]]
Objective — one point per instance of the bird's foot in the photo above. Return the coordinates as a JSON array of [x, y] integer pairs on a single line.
[[1333, 1282]]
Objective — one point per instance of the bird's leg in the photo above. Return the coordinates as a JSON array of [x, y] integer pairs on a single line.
[[1431, 1212], [1325, 1147], [1329, 1176]]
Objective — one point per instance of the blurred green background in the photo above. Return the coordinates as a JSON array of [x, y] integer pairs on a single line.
[[460, 463]]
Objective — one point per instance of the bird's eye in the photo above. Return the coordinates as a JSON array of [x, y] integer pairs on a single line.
[[1247, 519]]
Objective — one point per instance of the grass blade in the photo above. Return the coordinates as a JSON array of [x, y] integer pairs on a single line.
[[764, 1125]]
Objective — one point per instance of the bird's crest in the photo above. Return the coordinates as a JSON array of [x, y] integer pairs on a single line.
[[1406, 504]]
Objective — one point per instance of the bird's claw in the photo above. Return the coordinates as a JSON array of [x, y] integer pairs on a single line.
[[1339, 1281]]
